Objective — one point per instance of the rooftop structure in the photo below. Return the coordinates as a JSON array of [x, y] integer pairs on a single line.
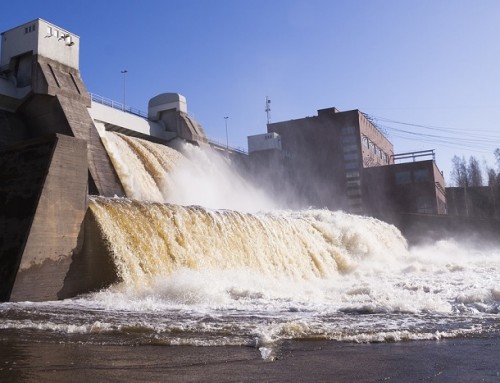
[[39, 37]]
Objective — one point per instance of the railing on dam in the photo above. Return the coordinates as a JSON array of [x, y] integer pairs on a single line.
[[124, 108], [222, 146], [117, 105]]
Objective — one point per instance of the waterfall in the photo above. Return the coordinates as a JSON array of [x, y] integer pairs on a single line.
[[198, 176], [152, 240]]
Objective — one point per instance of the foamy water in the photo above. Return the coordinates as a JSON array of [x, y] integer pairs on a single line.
[[194, 176], [192, 275], [368, 287]]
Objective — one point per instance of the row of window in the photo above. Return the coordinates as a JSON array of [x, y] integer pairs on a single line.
[[352, 175], [375, 149], [425, 205], [60, 35], [348, 131], [30, 29], [405, 176]]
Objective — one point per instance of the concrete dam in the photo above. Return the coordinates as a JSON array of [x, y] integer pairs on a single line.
[[60, 144], [53, 158], [92, 195]]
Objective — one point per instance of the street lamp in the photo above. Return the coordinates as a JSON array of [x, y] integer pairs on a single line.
[[227, 139], [124, 72]]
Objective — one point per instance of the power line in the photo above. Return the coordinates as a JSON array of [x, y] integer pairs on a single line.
[[478, 140]]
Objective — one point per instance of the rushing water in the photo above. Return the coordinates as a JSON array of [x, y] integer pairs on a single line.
[[191, 275]]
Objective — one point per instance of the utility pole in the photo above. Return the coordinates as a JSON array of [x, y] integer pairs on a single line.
[[124, 72]]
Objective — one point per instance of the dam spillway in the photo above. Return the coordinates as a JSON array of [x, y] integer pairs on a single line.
[[153, 240], [129, 241], [191, 175]]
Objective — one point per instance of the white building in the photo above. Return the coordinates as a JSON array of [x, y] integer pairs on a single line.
[[39, 37]]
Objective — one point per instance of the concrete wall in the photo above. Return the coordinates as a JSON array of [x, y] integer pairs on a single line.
[[183, 126], [266, 141], [120, 121], [59, 104], [103, 174], [92, 268], [50, 245], [16, 41], [314, 165], [23, 170], [43, 203], [427, 228], [117, 117], [402, 188]]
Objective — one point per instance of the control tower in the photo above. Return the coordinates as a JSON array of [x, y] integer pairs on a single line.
[[41, 92]]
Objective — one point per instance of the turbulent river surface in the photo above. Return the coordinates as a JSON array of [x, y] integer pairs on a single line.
[[202, 276], [192, 276]]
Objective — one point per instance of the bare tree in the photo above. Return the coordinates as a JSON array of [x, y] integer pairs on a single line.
[[497, 157], [459, 172], [474, 174]]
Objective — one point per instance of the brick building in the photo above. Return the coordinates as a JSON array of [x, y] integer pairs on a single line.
[[341, 160]]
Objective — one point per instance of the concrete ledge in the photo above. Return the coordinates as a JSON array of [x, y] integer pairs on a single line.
[[427, 228]]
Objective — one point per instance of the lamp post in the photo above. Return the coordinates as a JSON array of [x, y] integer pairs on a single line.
[[227, 139], [124, 72]]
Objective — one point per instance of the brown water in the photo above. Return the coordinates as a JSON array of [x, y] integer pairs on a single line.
[[457, 360]]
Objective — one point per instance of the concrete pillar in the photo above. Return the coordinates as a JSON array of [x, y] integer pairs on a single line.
[[43, 189]]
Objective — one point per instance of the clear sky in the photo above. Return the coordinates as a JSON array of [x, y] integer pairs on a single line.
[[433, 64]]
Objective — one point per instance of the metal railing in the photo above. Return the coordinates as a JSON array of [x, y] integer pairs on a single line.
[[117, 105], [222, 146], [120, 106], [414, 155]]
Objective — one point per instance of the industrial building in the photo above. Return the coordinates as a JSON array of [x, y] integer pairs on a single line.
[[341, 160]]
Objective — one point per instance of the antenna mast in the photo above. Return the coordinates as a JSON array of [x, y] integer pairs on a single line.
[[268, 110]]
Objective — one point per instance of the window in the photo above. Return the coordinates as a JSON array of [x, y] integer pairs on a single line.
[[352, 174], [350, 148], [29, 29], [353, 192], [424, 205], [49, 31], [366, 141], [403, 177], [350, 156], [347, 131], [352, 165], [353, 183], [421, 175], [349, 140]]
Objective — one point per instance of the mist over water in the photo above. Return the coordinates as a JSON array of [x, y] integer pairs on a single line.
[[191, 176]]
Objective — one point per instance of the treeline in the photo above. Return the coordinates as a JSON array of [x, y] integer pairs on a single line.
[[470, 174], [473, 194]]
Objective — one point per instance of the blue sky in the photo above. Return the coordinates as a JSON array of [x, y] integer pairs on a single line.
[[434, 64]]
